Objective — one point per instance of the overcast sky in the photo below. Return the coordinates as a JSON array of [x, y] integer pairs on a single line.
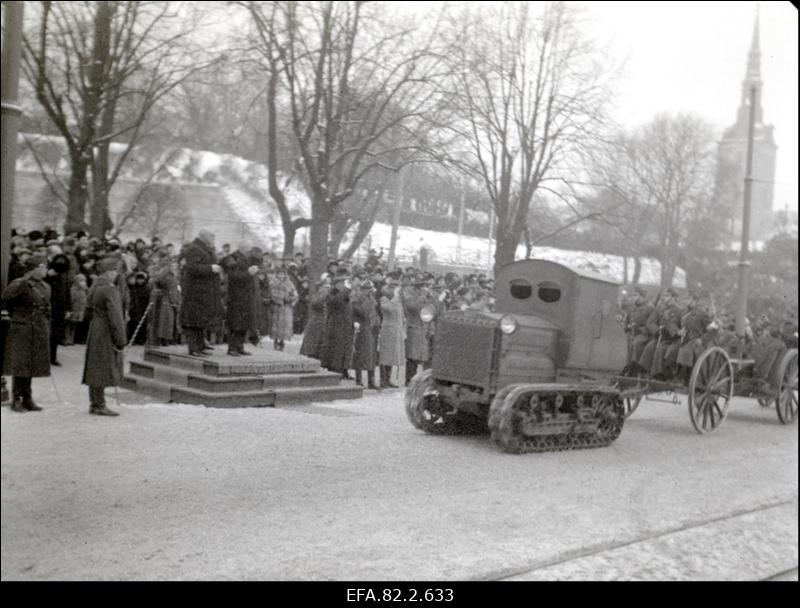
[[691, 56]]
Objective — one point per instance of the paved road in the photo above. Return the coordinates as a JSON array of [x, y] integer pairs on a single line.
[[350, 490]]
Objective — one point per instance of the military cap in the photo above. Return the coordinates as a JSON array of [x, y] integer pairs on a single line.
[[34, 262]]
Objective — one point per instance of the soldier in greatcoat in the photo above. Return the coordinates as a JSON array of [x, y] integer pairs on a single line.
[[636, 326], [367, 324], [200, 292], [338, 344], [283, 297], [106, 340], [314, 334], [391, 344], [693, 327], [239, 271], [663, 325], [27, 345]]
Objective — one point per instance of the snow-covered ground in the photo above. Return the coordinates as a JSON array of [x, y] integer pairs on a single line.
[[243, 185]]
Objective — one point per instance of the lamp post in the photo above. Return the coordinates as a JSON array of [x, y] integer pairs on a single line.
[[744, 263]]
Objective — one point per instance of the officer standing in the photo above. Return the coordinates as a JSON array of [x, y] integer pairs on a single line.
[[106, 339], [27, 347]]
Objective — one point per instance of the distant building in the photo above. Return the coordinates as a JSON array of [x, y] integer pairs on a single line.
[[732, 159]]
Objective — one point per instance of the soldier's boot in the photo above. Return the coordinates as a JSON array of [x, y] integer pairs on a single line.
[[411, 370], [97, 396], [16, 395], [27, 396], [359, 381], [371, 380], [385, 374]]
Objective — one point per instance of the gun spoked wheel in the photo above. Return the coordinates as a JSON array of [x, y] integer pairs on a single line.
[[427, 409], [786, 397], [710, 390]]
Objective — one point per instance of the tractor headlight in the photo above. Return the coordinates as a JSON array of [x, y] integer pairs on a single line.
[[427, 313], [508, 324]]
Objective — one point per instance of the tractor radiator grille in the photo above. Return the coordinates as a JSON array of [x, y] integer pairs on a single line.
[[465, 348]]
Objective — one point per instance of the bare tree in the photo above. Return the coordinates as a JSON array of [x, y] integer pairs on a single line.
[[669, 165], [531, 91], [156, 210], [360, 96], [98, 69]]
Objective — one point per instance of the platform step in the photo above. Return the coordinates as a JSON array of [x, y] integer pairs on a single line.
[[223, 384], [257, 398], [294, 396], [219, 364]]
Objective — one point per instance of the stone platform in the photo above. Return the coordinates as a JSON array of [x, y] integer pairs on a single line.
[[265, 379]]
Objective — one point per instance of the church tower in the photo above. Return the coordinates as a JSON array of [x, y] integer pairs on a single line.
[[732, 158]]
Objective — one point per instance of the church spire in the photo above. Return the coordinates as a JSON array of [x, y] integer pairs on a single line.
[[752, 78]]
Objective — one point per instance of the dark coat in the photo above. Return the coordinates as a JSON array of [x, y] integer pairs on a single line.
[[200, 290], [60, 297], [27, 345], [166, 302], [241, 291], [103, 363], [314, 335], [338, 345], [365, 341]]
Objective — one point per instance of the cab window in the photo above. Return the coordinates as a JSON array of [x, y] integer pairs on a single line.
[[549, 292], [521, 289]]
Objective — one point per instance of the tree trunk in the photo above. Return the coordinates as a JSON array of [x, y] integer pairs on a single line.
[[318, 237], [78, 196], [506, 249], [637, 269], [289, 232]]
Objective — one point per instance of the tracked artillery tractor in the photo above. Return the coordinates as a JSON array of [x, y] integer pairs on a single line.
[[538, 373], [544, 373]]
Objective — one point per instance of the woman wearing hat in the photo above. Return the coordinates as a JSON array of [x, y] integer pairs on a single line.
[[106, 339], [283, 296], [27, 347]]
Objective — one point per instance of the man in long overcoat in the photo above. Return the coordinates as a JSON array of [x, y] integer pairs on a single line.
[[60, 299], [417, 345], [338, 345], [27, 345], [283, 297], [391, 343], [365, 343], [200, 291], [239, 271], [106, 340], [314, 334]]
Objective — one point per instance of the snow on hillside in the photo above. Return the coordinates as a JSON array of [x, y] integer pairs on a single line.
[[244, 187]]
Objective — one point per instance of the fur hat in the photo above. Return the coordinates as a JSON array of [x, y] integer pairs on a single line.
[[106, 264]]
